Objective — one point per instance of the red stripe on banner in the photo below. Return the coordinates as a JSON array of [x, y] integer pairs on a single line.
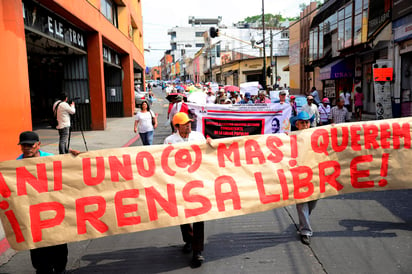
[[4, 245], [244, 112], [131, 141]]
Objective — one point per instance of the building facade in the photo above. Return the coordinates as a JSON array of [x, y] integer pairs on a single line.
[[351, 40], [90, 49]]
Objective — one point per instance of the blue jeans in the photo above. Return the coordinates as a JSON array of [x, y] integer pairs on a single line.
[[304, 210], [147, 138], [64, 140]]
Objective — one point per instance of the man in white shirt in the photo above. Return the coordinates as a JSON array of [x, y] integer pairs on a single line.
[[63, 111], [210, 98], [311, 109], [193, 237]]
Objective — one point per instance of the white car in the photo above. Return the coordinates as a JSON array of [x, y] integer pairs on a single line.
[[140, 97]]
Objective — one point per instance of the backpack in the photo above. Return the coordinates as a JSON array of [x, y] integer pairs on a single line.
[[54, 122]]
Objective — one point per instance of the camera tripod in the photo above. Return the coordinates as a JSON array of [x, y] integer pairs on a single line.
[[74, 119]]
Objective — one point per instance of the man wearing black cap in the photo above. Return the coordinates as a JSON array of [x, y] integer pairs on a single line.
[[30, 145], [50, 259]]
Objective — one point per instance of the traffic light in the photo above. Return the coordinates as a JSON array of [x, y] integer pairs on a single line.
[[213, 32]]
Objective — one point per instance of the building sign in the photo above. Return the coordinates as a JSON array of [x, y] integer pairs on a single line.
[[329, 90], [339, 69], [402, 28], [401, 8], [379, 13], [51, 25], [382, 74], [110, 56]]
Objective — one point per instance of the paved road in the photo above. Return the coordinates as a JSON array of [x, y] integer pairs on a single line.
[[355, 233]]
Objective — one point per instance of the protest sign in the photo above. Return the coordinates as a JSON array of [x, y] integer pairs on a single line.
[[221, 121], [52, 200]]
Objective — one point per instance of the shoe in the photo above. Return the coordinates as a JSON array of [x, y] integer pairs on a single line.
[[187, 248], [305, 239], [197, 259]]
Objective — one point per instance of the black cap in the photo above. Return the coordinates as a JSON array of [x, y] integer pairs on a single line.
[[28, 137]]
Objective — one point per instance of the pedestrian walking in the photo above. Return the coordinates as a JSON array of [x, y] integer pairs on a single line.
[[311, 109], [324, 111], [339, 113], [193, 236], [359, 103], [292, 101], [315, 95], [303, 121], [145, 123], [63, 111], [347, 98]]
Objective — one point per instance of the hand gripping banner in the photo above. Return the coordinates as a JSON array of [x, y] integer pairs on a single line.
[[52, 200]]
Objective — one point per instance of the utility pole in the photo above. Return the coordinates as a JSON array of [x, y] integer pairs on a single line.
[[271, 57], [264, 44], [210, 64]]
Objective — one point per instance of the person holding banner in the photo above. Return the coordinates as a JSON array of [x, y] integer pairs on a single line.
[[192, 236], [311, 109], [303, 121], [210, 98], [262, 98], [247, 99], [50, 259]]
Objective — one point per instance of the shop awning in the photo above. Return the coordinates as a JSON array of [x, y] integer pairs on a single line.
[[342, 68]]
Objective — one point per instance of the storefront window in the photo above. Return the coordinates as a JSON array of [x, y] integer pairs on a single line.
[[320, 41], [315, 44], [341, 34], [357, 29], [345, 27], [348, 32], [361, 15], [311, 45]]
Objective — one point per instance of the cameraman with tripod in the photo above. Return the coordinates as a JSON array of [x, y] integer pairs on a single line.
[[63, 111]]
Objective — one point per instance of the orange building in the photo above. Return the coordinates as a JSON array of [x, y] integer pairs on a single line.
[[156, 73], [90, 49]]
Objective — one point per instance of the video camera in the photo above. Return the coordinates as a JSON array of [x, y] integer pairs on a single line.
[[75, 100]]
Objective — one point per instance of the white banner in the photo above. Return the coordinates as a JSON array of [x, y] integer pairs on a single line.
[[220, 121]]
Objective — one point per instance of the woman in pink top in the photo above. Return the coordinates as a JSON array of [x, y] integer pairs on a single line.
[[359, 103]]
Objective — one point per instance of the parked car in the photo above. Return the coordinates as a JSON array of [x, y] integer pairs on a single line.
[[140, 96]]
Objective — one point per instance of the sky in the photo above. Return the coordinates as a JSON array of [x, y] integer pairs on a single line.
[[161, 15]]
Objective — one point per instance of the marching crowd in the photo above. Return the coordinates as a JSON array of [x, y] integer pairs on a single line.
[[316, 112]]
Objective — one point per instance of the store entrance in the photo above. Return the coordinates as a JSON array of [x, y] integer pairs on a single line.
[[54, 68]]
